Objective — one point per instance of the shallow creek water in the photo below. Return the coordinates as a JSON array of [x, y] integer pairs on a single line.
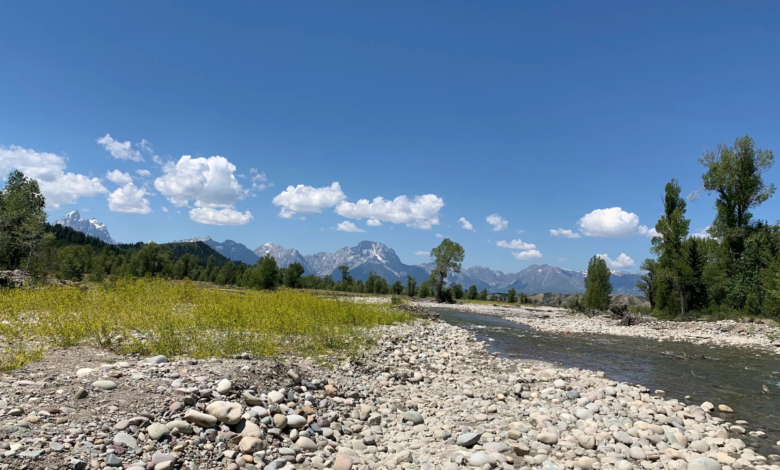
[[722, 375]]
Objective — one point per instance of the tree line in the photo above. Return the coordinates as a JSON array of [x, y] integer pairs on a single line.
[[29, 243], [735, 268]]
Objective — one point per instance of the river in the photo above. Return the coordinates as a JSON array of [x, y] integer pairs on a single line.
[[721, 375]]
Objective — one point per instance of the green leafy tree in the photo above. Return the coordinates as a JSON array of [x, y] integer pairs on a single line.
[[647, 280], [22, 218], [511, 296], [153, 260], [185, 267], [292, 275], [523, 298], [696, 290], [268, 272], [448, 256], [411, 286], [597, 285], [483, 294], [425, 290], [397, 288], [227, 274], [359, 286], [74, 262], [211, 264], [344, 270], [372, 279], [381, 287], [472, 293], [457, 291], [674, 274], [735, 175], [746, 289]]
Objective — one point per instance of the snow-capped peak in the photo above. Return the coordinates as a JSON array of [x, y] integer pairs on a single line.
[[91, 227], [193, 240]]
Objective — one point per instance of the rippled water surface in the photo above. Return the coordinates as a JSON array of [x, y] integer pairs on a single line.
[[731, 376]]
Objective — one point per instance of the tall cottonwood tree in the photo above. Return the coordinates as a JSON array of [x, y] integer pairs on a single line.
[[448, 256], [597, 285], [735, 175], [672, 228], [647, 280], [411, 286]]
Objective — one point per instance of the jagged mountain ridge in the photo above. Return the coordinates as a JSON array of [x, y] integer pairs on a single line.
[[229, 249], [370, 256], [91, 227], [284, 256], [366, 257]]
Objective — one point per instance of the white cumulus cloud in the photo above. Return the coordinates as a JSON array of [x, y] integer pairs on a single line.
[[466, 224], [562, 232], [209, 182], [224, 216], [307, 199], [422, 253], [129, 199], [703, 233], [259, 180], [143, 173], [212, 186], [373, 223], [118, 177], [120, 150], [516, 245], [622, 261], [419, 212], [527, 255], [612, 223], [57, 186], [498, 222], [164, 209], [647, 232], [348, 226]]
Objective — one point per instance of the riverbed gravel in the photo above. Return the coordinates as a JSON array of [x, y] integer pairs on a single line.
[[428, 396]]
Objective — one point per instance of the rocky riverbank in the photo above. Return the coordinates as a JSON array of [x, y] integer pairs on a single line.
[[427, 396], [763, 335]]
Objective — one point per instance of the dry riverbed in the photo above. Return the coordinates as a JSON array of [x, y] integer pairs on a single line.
[[427, 396], [559, 320]]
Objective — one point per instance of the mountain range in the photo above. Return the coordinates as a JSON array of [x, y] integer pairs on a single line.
[[376, 257], [91, 227], [370, 256]]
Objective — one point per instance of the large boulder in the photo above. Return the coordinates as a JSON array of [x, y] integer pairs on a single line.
[[225, 412]]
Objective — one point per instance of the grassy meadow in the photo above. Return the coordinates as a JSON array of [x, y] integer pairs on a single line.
[[149, 317]]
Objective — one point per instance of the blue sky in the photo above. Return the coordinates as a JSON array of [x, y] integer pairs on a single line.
[[538, 112]]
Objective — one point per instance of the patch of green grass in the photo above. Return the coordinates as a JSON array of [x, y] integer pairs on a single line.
[[181, 319]]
